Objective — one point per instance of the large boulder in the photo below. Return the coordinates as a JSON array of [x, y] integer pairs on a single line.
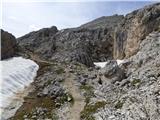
[[8, 45], [112, 71]]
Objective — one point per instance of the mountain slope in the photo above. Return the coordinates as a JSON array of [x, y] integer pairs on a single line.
[[130, 90]]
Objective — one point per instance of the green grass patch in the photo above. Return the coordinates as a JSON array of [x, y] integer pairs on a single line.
[[90, 109], [78, 66], [30, 106], [88, 92], [60, 70], [31, 103], [65, 98], [135, 82], [87, 88], [55, 116]]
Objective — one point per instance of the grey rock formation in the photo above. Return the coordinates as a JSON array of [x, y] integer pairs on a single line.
[[99, 40], [48, 83], [134, 28], [103, 22], [139, 97], [112, 71], [40, 42], [8, 45], [84, 44]]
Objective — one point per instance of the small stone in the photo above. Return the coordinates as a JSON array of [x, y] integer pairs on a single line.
[[111, 117], [34, 116], [93, 76], [69, 99], [25, 116], [83, 81], [85, 76], [60, 79], [45, 92], [39, 94], [90, 69], [71, 71], [57, 104], [97, 67]]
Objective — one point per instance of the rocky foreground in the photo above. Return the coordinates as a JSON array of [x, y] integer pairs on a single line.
[[68, 85]]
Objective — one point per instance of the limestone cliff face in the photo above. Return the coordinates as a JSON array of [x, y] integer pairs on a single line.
[[8, 45], [134, 28]]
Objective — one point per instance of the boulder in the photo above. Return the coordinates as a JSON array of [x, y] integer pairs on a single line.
[[112, 71]]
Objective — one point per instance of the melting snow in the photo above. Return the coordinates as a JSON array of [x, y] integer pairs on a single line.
[[15, 74]]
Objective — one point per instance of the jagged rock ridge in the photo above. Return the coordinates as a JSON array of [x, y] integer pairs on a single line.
[[84, 44]]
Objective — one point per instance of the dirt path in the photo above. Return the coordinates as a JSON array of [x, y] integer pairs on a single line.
[[37, 59], [74, 111], [70, 85]]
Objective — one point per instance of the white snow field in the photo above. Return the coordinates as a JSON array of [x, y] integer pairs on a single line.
[[16, 74]]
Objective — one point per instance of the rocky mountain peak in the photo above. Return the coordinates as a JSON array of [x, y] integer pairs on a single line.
[[104, 22]]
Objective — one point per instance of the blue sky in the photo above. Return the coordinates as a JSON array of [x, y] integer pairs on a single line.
[[20, 17]]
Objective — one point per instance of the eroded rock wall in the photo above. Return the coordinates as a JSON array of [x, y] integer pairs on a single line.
[[8, 45], [134, 28]]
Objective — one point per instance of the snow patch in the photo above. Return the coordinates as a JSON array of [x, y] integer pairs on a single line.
[[16, 74], [102, 64]]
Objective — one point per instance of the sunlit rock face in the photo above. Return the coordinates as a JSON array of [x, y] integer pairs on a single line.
[[16, 74], [133, 29]]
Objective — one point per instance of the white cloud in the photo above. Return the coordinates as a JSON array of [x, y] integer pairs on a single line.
[[33, 27]]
